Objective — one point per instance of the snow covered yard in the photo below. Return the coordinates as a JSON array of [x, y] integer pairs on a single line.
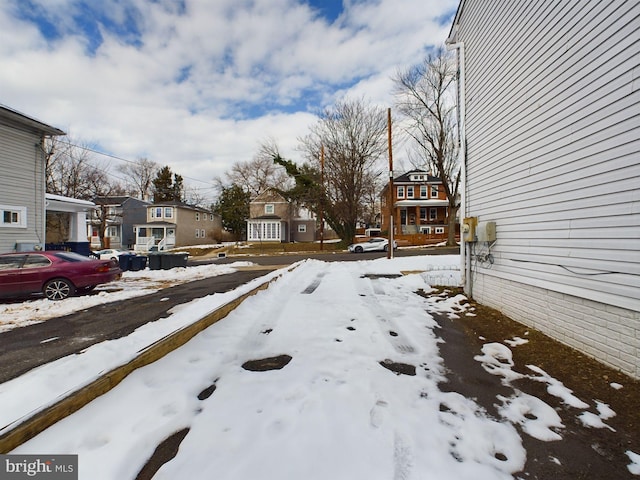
[[359, 397]]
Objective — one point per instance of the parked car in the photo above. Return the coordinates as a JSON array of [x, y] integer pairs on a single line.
[[55, 274], [109, 254], [376, 244]]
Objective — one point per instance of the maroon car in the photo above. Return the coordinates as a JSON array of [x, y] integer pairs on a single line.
[[55, 274]]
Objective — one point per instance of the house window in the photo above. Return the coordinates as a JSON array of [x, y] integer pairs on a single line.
[[410, 191], [197, 217], [269, 209], [439, 229], [13, 217], [203, 234], [156, 212], [197, 233], [423, 191], [400, 192], [302, 228], [434, 191], [423, 213], [112, 232], [425, 230], [433, 213], [168, 212], [211, 217]]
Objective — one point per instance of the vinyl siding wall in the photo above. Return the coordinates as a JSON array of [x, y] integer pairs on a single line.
[[553, 157], [22, 185]]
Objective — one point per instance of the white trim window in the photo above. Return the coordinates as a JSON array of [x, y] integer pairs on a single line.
[[13, 217], [409, 191], [269, 209], [433, 213], [168, 212], [434, 191], [197, 217], [439, 230], [425, 230], [197, 233], [400, 191], [302, 228], [156, 212], [423, 213], [203, 234], [423, 191]]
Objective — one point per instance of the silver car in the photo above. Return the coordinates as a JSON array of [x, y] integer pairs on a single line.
[[376, 244]]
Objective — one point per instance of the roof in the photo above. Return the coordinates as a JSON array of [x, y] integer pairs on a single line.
[[13, 118], [453, 33], [176, 203], [406, 177], [117, 200]]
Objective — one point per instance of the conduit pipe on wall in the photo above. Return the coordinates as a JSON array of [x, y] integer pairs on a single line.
[[465, 259]]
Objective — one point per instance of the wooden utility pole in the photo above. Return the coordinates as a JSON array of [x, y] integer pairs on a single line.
[[321, 197], [391, 195]]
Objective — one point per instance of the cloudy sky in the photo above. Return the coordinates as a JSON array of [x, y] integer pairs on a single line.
[[199, 84]]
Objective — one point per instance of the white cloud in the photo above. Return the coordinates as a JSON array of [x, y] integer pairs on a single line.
[[198, 88]]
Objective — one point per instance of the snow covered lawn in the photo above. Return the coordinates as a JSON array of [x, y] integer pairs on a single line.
[[359, 398]]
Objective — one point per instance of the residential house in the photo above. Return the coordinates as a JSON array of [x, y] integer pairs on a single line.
[[549, 105], [117, 215], [419, 206], [175, 224], [70, 232], [22, 183], [274, 219]]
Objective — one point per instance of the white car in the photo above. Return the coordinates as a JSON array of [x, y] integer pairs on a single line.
[[109, 254], [376, 244]]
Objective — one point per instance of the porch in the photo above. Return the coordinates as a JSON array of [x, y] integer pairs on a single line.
[[153, 237]]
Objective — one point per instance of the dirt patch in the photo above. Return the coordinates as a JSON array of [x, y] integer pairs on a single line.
[[162, 454], [265, 364], [584, 452], [399, 368]]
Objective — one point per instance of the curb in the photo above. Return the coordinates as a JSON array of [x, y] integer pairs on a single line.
[[43, 419]]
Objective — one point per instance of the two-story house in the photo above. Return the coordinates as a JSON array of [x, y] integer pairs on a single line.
[[22, 157], [274, 219], [113, 220], [176, 224], [419, 206]]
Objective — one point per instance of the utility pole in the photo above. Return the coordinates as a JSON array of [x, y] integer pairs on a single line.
[[321, 197], [391, 196]]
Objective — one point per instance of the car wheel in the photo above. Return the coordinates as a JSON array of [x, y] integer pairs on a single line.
[[386, 248], [359, 250], [58, 289]]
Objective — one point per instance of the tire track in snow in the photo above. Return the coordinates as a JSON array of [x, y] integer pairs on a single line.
[[384, 318]]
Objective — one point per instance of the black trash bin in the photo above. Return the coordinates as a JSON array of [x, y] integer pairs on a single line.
[[154, 261], [138, 262], [125, 262], [172, 260]]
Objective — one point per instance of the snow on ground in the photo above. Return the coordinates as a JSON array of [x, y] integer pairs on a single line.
[[339, 409]]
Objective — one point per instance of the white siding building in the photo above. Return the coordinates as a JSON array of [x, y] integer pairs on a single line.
[[22, 183], [550, 123]]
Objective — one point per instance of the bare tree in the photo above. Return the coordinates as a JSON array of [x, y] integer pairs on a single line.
[[354, 136], [141, 174], [425, 95], [256, 175]]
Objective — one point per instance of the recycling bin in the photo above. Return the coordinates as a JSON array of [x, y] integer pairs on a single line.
[[138, 262], [125, 261], [172, 260]]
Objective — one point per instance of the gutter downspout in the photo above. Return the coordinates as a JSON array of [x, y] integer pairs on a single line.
[[465, 260]]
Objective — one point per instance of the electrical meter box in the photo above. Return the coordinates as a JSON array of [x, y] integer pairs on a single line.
[[486, 232], [469, 229]]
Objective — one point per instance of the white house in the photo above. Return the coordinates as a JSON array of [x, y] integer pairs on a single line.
[[549, 103], [22, 183]]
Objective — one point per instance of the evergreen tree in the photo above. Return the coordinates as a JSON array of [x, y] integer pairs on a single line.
[[167, 186], [233, 208]]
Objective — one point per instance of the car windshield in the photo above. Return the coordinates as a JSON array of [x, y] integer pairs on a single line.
[[72, 257]]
